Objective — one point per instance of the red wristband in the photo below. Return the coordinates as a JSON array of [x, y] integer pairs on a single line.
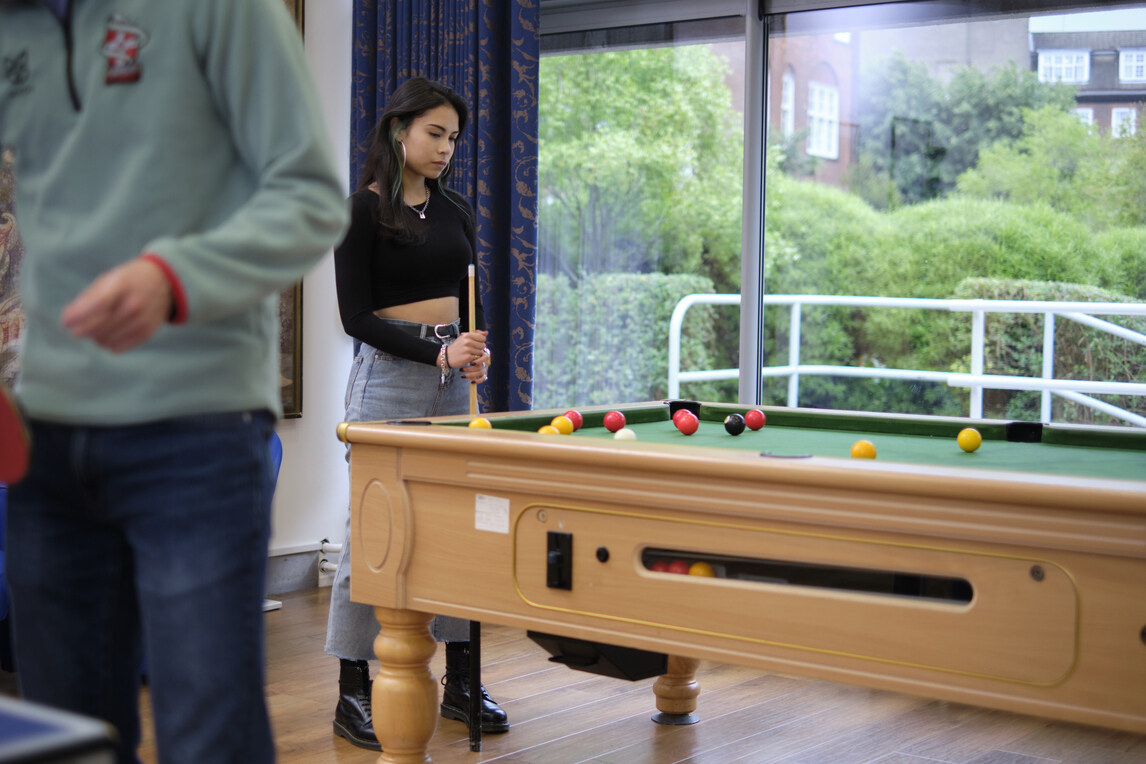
[[178, 296]]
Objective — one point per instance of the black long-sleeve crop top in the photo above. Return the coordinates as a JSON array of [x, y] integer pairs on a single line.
[[372, 272]]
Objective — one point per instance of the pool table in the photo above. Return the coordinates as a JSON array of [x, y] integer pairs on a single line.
[[1011, 577]]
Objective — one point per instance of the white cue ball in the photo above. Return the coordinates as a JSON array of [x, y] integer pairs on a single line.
[[625, 433]]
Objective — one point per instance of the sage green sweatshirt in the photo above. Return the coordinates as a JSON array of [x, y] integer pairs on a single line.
[[188, 131]]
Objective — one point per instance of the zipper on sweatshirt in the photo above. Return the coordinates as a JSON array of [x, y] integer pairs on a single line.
[[69, 45]]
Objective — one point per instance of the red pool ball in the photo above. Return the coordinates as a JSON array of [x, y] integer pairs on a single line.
[[754, 418], [680, 414], [688, 424], [679, 566], [575, 418], [660, 566], [614, 421]]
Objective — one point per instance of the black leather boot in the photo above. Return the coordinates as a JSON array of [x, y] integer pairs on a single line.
[[456, 697], [353, 718]]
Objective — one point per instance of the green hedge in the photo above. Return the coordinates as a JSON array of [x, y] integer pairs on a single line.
[[1122, 261], [605, 339], [836, 244], [1013, 346]]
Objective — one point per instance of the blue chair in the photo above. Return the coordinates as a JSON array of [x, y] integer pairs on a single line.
[[276, 453]]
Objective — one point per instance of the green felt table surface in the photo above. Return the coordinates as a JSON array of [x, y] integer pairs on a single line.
[[1103, 453]]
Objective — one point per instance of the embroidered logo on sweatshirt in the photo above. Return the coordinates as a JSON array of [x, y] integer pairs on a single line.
[[17, 72], [121, 46]]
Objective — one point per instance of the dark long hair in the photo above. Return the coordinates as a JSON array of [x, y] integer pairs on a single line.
[[384, 160]]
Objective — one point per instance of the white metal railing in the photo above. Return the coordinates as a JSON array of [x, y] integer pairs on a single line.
[[977, 381]]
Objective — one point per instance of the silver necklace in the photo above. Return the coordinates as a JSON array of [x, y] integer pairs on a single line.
[[425, 204]]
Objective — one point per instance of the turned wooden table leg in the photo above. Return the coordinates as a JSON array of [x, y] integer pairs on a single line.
[[676, 692], [405, 696]]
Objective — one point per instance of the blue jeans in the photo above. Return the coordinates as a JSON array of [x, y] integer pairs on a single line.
[[150, 537], [384, 386]]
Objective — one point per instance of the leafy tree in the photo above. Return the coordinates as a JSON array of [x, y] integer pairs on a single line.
[[1128, 178], [639, 164], [938, 128], [1075, 169]]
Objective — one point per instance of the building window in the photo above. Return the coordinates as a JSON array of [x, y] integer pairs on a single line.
[[788, 104], [1069, 66], [1123, 121], [768, 101], [1085, 115], [1132, 66], [823, 121]]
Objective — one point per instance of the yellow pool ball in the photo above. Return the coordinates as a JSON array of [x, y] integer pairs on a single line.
[[481, 422], [548, 429], [563, 424], [701, 568], [863, 449], [969, 439]]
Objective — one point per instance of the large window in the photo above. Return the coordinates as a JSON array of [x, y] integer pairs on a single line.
[[640, 166], [941, 150], [948, 155]]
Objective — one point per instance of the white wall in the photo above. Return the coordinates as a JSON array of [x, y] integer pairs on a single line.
[[312, 493]]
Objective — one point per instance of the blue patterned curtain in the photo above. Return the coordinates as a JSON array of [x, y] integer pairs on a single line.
[[488, 52]]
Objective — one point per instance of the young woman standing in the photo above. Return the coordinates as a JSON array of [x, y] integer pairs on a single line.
[[401, 276]]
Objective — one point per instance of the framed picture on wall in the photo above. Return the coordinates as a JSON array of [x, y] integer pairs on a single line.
[[295, 7], [290, 314], [11, 257]]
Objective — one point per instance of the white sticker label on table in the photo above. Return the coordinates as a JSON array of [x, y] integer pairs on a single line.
[[491, 513]]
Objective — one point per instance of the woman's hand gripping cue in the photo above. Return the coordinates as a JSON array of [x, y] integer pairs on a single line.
[[469, 353]]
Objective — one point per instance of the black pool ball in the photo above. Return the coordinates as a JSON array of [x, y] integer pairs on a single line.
[[734, 424]]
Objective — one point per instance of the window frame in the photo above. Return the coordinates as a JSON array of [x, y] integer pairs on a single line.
[[788, 103], [1048, 61], [823, 123], [1128, 59], [1123, 115], [584, 15]]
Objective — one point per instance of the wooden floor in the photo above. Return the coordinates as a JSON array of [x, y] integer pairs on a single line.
[[560, 716]]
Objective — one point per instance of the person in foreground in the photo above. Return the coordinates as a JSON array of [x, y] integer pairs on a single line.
[[172, 175], [401, 276]]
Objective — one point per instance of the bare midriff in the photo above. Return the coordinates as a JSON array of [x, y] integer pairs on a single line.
[[439, 310]]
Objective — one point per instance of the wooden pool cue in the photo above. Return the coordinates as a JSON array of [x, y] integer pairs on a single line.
[[475, 626], [470, 285]]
